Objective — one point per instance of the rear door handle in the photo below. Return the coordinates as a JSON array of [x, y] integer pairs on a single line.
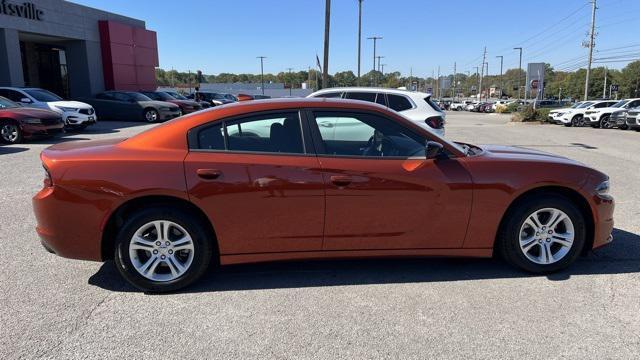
[[209, 174], [341, 180]]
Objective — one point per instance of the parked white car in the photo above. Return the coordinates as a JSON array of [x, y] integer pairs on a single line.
[[578, 117], [416, 106], [75, 114], [459, 105], [600, 117], [555, 116]]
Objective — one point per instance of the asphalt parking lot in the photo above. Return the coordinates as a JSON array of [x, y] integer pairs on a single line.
[[421, 308]]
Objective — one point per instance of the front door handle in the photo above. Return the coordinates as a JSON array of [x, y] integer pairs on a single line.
[[208, 174], [341, 180]]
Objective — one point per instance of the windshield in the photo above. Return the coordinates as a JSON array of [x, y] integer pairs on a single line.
[[585, 105], [177, 96], [6, 103], [42, 95], [576, 105], [620, 103], [138, 96]]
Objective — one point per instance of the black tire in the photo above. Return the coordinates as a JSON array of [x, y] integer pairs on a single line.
[[203, 248], [576, 121], [623, 127], [604, 122], [508, 242], [10, 132], [151, 115]]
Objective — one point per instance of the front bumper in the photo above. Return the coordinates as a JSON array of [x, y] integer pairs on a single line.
[[168, 115], [603, 220], [39, 130], [78, 119]]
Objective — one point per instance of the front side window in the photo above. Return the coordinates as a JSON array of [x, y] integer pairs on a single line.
[[11, 95], [633, 104], [273, 133], [366, 135], [400, 103], [118, 96]]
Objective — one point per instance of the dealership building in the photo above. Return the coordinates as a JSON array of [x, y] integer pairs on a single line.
[[74, 50]]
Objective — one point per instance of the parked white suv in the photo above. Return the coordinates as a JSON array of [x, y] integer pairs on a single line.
[[578, 117], [417, 106], [600, 117], [75, 114]]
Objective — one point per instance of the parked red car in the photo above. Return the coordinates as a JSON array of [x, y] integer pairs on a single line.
[[18, 123], [186, 106], [307, 179]]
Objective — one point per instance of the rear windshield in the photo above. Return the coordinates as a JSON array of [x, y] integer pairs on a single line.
[[432, 104]]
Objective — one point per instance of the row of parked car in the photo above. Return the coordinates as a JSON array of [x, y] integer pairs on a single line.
[[622, 114], [33, 112]]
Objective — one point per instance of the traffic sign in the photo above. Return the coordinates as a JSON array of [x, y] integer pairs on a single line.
[[614, 87]]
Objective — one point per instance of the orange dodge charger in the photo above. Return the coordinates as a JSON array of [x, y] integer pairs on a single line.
[[310, 179]]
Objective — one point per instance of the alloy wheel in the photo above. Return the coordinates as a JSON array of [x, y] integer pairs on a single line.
[[9, 133], [605, 123], [161, 250], [546, 236], [151, 116]]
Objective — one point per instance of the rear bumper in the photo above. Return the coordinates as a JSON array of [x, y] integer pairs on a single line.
[[69, 231]]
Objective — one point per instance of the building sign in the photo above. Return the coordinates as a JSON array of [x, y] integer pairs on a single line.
[[614, 87], [25, 10]]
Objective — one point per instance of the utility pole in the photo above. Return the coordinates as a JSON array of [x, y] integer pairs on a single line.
[[484, 58], [591, 37], [375, 39], [327, 24], [560, 96], [262, 71], [438, 84], [519, 71], [379, 57], [477, 77], [290, 81], [501, 85], [604, 87], [382, 71], [359, 36], [454, 81]]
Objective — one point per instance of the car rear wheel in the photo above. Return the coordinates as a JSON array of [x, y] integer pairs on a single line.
[[151, 115], [543, 234], [162, 249], [10, 133]]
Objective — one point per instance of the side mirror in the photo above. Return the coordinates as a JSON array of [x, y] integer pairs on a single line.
[[26, 101], [432, 149]]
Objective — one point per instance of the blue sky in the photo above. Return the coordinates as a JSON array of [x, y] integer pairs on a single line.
[[226, 36]]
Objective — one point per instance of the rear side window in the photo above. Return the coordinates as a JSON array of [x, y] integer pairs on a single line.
[[272, 133], [330, 95], [398, 102], [433, 105], [362, 96], [601, 105]]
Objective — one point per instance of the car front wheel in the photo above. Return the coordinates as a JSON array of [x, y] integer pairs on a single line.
[[10, 133], [162, 249], [605, 123], [151, 115], [543, 234]]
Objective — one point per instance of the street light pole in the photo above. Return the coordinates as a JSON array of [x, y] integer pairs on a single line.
[[262, 71], [290, 81], [375, 39], [359, 36], [519, 71], [327, 24], [501, 84]]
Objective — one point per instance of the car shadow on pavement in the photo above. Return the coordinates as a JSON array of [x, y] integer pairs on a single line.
[[4, 150], [621, 256]]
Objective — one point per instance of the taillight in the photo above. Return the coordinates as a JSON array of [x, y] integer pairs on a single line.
[[435, 122], [47, 182]]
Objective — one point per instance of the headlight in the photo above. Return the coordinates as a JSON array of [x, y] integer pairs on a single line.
[[67, 109], [32, 121], [603, 188]]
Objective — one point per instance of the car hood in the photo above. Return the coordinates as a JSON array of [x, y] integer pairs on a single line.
[[525, 154], [28, 112], [70, 104]]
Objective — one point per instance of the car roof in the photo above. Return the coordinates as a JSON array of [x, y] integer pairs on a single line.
[[373, 89]]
